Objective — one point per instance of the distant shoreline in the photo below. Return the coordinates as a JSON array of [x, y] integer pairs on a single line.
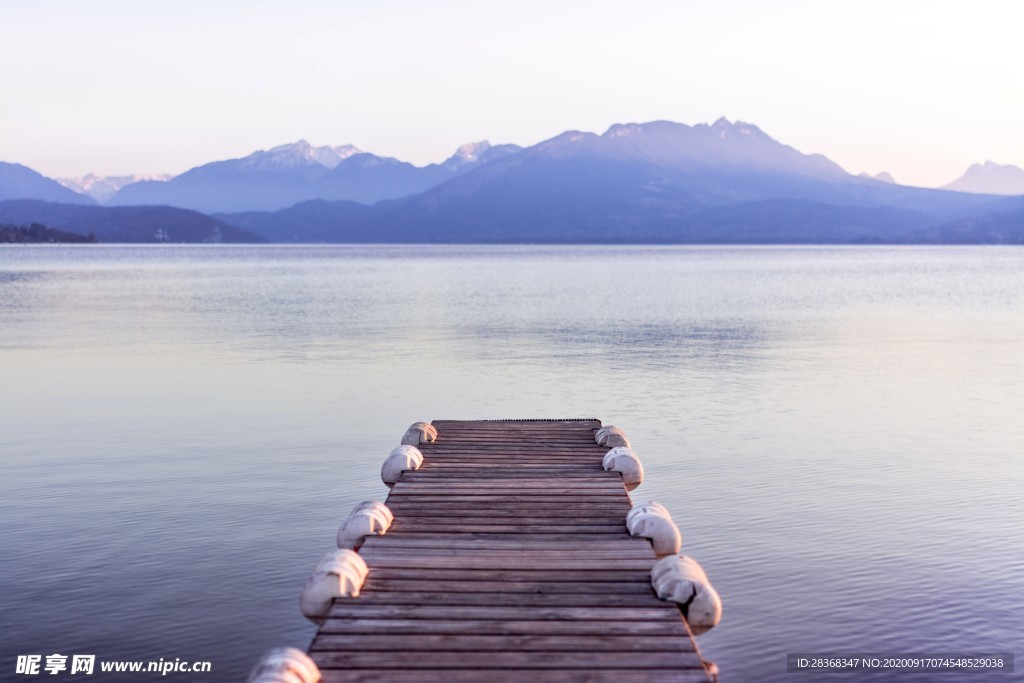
[[36, 233], [496, 245]]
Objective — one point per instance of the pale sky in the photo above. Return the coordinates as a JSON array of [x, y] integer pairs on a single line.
[[921, 89]]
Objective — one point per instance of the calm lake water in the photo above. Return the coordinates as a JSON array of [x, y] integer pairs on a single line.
[[839, 432]]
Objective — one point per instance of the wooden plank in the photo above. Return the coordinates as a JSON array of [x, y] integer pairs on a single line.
[[456, 574], [476, 488], [415, 585], [457, 543], [440, 467], [455, 527], [420, 510], [500, 599], [493, 627], [539, 447], [358, 609], [499, 660], [513, 676], [410, 514], [472, 485], [415, 486], [537, 450], [510, 503], [515, 460], [504, 516], [508, 517], [511, 550], [551, 511], [511, 497], [509, 561], [440, 476], [515, 436], [517, 643], [582, 466], [491, 476], [553, 538]]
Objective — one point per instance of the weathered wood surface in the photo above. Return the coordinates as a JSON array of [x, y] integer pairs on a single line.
[[508, 560]]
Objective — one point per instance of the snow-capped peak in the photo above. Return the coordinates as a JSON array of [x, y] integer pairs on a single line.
[[102, 188], [471, 151], [297, 154]]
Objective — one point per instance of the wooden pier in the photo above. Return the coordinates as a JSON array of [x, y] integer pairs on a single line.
[[508, 560]]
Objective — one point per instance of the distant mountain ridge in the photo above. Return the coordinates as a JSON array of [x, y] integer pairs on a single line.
[[297, 155], [990, 178], [657, 182], [102, 188], [21, 182], [288, 174], [654, 182]]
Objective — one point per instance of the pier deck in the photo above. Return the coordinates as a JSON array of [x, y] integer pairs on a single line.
[[508, 560]]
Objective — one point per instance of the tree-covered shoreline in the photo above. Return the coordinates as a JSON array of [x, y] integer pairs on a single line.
[[36, 233]]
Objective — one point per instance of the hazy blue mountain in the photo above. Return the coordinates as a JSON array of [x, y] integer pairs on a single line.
[[285, 175], [102, 188], [884, 176], [125, 224], [990, 178], [654, 182], [21, 182], [316, 221], [1004, 226]]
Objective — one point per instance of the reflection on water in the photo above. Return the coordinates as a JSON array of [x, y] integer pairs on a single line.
[[837, 431]]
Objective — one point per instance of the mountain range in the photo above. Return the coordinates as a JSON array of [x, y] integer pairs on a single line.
[[655, 182], [658, 182], [289, 174]]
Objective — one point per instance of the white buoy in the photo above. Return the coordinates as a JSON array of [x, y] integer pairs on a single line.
[[653, 521], [612, 437], [339, 575], [419, 432], [644, 508], [621, 459], [369, 518], [401, 459], [681, 579], [285, 665]]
